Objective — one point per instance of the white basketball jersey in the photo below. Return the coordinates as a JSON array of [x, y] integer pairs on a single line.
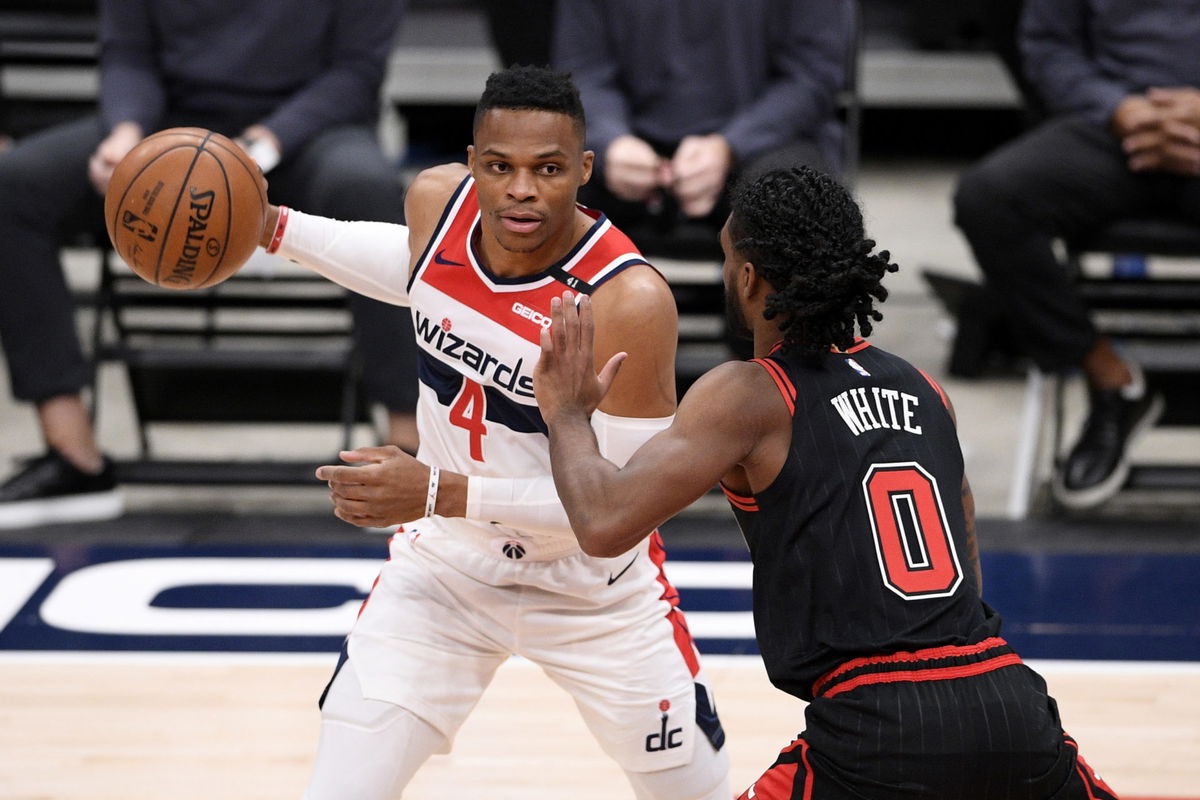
[[479, 339]]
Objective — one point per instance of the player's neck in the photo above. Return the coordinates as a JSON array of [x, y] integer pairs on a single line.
[[766, 335]]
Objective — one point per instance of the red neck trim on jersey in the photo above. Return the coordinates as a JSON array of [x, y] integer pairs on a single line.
[[859, 344]]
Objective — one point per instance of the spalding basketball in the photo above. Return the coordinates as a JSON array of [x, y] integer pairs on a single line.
[[185, 208]]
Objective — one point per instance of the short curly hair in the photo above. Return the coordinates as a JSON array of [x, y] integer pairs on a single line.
[[524, 88], [803, 232]]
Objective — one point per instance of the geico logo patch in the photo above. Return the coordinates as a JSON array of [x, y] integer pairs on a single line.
[[536, 317]]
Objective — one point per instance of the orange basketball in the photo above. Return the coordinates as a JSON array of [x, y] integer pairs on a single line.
[[185, 208]]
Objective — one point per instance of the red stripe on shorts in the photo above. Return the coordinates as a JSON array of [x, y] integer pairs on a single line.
[[683, 636]]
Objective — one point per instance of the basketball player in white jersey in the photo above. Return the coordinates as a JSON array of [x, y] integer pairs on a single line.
[[485, 564]]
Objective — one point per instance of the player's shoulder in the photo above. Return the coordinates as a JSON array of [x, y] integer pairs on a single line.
[[430, 190], [638, 291], [747, 376], [743, 387], [437, 182]]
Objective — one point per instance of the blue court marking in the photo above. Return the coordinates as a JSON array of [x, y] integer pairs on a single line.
[[75, 597]]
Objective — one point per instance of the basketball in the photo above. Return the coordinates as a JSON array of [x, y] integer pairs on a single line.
[[185, 208]]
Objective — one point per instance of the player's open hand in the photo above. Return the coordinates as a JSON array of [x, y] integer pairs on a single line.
[[565, 379], [387, 487]]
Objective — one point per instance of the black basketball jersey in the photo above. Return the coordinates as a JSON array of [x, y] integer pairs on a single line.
[[859, 545]]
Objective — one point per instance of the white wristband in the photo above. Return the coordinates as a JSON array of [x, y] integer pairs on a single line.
[[431, 495]]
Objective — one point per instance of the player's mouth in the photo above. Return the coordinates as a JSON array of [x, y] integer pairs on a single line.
[[520, 222]]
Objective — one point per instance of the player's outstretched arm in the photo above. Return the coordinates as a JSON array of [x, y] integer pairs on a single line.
[[716, 428], [370, 258]]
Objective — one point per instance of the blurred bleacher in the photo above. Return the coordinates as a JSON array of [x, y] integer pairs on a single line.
[[920, 56]]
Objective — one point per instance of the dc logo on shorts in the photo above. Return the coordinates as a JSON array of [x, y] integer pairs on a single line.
[[513, 549]]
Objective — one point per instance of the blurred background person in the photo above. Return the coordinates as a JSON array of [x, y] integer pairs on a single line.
[[298, 85], [683, 98], [1119, 82]]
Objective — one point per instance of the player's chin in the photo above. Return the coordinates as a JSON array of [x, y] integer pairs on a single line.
[[514, 243]]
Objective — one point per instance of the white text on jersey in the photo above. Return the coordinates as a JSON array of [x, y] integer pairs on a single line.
[[536, 317], [861, 414], [481, 361]]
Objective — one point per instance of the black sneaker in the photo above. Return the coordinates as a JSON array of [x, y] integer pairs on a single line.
[[51, 489], [1098, 464]]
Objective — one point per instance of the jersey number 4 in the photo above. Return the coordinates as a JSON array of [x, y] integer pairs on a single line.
[[912, 539], [469, 412]]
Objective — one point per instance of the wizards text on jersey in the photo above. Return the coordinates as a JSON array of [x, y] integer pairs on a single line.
[[441, 337]]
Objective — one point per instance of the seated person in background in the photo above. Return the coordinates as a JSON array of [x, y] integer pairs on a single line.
[[1120, 81], [298, 83], [681, 98]]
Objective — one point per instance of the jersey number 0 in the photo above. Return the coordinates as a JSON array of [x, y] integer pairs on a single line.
[[912, 539]]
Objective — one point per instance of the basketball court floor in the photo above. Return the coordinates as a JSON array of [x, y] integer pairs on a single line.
[[178, 652]]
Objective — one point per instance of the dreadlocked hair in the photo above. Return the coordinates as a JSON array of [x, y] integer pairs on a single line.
[[524, 88], [803, 233]]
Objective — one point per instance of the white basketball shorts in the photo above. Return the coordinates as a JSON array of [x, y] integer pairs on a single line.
[[451, 605]]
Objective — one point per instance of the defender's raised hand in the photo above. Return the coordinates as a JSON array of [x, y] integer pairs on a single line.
[[565, 379]]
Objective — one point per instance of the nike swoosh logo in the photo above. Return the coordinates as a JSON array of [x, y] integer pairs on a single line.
[[614, 578], [438, 258]]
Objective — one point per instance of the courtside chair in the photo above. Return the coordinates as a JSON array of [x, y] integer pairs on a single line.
[[273, 344]]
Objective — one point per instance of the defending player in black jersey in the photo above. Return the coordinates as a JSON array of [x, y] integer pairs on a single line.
[[844, 470]]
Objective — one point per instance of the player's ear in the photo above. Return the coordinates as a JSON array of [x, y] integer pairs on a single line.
[[589, 160], [471, 157], [749, 281]]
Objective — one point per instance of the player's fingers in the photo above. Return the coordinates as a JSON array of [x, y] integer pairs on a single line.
[[558, 326], [570, 314], [352, 492], [358, 519], [372, 455], [587, 329], [354, 508], [333, 473], [609, 372]]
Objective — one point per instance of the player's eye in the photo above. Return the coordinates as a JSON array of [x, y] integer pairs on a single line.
[[551, 169], [499, 166]]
